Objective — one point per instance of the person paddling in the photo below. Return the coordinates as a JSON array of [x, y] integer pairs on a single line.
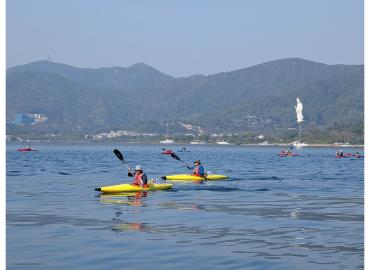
[[198, 169], [140, 178]]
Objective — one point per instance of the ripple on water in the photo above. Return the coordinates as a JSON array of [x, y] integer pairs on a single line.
[[272, 214]]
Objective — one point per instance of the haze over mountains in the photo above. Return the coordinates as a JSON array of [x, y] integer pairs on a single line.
[[260, 97]]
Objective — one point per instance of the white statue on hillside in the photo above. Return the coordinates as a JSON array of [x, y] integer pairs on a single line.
[[299, 109]]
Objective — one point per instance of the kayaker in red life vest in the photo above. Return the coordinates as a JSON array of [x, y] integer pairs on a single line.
[[140, 178], [198, 169]]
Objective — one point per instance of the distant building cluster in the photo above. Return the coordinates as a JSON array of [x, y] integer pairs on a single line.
[[192, 128], [29, 118], [252, 120], [114, 134]]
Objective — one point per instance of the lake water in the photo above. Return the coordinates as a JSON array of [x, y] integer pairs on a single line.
[[304, 212]]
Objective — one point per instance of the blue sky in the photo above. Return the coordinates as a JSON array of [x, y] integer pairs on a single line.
[[182, 38]]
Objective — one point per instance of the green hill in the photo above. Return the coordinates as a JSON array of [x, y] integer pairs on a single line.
[[257, 98]]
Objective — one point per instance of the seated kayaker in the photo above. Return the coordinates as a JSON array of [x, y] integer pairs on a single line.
[[198, 169], [287, 152], [357, 155], [340, 154], [140, 178]]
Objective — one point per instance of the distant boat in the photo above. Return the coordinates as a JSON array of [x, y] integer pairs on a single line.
[[26, 149], [167, 151], [345, 144], [223, 142], [167, 141], [197, 142], [299, 144], [263, 143]]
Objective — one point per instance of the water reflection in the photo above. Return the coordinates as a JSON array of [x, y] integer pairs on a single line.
[[132, 226], [129, 198], [181, 206]]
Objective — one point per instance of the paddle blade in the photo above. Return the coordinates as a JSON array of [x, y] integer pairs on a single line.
[[175, 156], [118, 154]]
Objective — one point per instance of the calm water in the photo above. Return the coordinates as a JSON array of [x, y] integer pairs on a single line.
[[274, 213]]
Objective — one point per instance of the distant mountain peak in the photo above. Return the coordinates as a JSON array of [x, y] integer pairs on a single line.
[[144, 68], [140, 65]]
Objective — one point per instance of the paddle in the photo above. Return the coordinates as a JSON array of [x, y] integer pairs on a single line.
[[173, 155], [120, 157], [291, 148], [288, 152]]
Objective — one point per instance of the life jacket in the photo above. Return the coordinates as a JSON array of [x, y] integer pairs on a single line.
[[197, 171], [138, 181]]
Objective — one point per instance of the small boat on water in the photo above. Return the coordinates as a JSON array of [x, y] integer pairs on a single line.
[[197, 142], [348, 155], [167, 151], [26, 149], [184, 149], [167, 140], [284, 154], [223, 143], [299, 144]]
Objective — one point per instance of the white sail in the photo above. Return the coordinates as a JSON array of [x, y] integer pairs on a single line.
[[299, 109]]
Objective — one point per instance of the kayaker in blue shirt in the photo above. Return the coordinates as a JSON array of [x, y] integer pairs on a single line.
[[198, 169]]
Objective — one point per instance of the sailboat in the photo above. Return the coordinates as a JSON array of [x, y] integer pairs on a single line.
[[167, 141], [345, 144], [223, 142]]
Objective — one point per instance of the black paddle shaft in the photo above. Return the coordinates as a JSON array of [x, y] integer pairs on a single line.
[[178, 158]]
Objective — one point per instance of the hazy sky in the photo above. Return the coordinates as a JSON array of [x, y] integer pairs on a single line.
[[182, 38]]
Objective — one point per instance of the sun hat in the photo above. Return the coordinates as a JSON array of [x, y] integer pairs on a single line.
[[138, 168]]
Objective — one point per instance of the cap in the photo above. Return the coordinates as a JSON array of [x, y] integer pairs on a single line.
[[138, 168], [197, 161]]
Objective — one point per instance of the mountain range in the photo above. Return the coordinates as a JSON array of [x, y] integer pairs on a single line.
[[260, 97]]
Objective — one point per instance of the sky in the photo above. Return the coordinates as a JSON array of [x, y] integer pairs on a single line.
[[182, 38]]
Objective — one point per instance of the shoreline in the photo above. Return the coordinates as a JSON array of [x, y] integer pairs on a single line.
[[61, 142]]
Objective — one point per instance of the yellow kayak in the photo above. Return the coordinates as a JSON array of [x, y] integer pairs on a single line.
[[190, 177], [133, 188]]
